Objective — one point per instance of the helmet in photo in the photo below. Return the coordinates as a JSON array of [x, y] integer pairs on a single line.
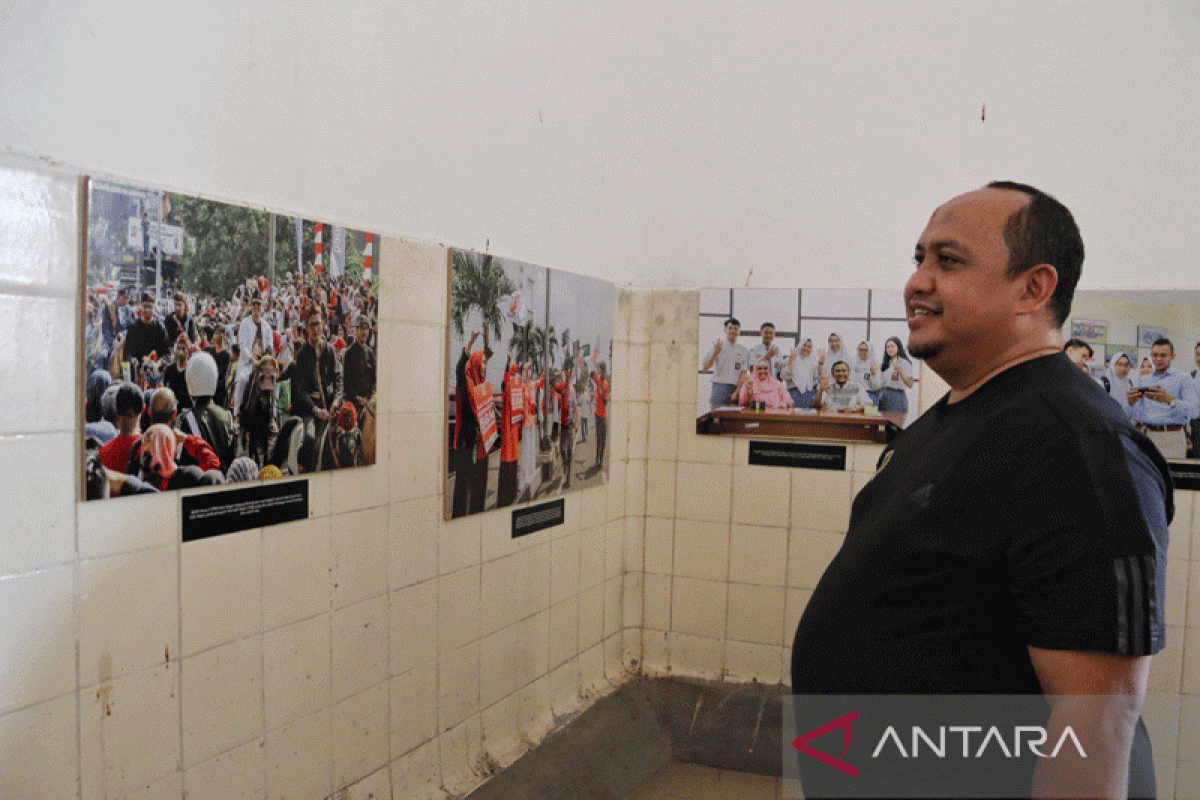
[[201, 375]]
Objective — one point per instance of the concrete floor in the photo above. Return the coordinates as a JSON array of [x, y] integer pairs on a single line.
[[678, 781]]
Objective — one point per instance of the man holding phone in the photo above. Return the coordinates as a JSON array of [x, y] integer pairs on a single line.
[[1164, 402]]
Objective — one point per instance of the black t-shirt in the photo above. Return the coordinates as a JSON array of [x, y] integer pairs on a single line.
[[1030, 513], [176, 379]]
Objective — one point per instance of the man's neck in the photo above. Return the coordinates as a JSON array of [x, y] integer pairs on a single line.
[[1048, 343]]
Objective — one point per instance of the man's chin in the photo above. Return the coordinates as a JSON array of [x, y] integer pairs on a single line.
[[924, 351]]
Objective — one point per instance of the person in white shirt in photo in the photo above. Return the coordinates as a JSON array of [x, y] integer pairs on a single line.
[[769, 349], [864, 370], [803, 375], [897, 377], [728, 360], [840, 394], [827, 358], [255, 340]]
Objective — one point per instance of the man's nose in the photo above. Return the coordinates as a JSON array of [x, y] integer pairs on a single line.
[[920, 282]]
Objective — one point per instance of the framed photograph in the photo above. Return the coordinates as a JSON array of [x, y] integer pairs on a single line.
[[222, 343], [1147, 334], [1090, 330], [528, 379], [804, 363]]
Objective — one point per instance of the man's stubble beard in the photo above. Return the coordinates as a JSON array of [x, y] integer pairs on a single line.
[[925, 351]]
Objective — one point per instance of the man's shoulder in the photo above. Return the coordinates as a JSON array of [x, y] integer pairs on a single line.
[[1067, 397]]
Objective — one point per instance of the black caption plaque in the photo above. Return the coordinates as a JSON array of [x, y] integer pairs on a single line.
[[536, 518], [256, 506], [796, 454], [1185, 475]]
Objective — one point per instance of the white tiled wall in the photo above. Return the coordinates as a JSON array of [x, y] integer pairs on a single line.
[[370, 650], [374, 646]]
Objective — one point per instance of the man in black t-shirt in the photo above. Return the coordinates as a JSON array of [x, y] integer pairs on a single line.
[[1014, 538]]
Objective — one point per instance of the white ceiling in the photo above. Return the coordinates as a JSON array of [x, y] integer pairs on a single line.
[[690, 144]]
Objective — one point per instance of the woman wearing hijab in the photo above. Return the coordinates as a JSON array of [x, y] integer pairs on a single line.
[[1117, 381], [762, 388], [865, 371], [897, 377], [1146, 367], [827, 358], [153, 458], [804, 375]]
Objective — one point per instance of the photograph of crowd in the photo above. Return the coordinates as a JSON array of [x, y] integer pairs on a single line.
[[222, 344], [528, 382], [805, 351], [1143, 348]]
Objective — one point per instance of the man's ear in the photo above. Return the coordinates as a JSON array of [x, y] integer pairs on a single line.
[[1037, 287]]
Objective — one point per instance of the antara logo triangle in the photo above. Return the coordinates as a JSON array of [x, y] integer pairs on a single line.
[[843, 722]]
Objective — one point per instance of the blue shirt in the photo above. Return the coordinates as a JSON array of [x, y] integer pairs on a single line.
[[1177, 384]]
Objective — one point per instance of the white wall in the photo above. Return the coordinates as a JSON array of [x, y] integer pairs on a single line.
[[659, 144]]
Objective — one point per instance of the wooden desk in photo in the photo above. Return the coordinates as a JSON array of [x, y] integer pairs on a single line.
[[820, 425]]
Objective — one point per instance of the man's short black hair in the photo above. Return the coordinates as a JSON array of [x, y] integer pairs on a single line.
[[1044, 232], [128, 400], [1164, 340], [765, 325], [1076, 342], [734, 320]]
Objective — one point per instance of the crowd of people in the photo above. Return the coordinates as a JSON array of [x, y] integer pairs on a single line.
[[278, 379], [1164, 402], [776, 377], [533, 423]]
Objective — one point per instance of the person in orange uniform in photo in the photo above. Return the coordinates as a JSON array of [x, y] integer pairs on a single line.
[[567, 410], [601, 412], [470, 450], [512, 413]]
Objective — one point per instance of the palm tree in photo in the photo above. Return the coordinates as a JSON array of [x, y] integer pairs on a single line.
[[529, 343], [478, 281]]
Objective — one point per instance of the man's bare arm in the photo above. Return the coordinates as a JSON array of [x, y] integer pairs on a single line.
[[1100, 695]]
